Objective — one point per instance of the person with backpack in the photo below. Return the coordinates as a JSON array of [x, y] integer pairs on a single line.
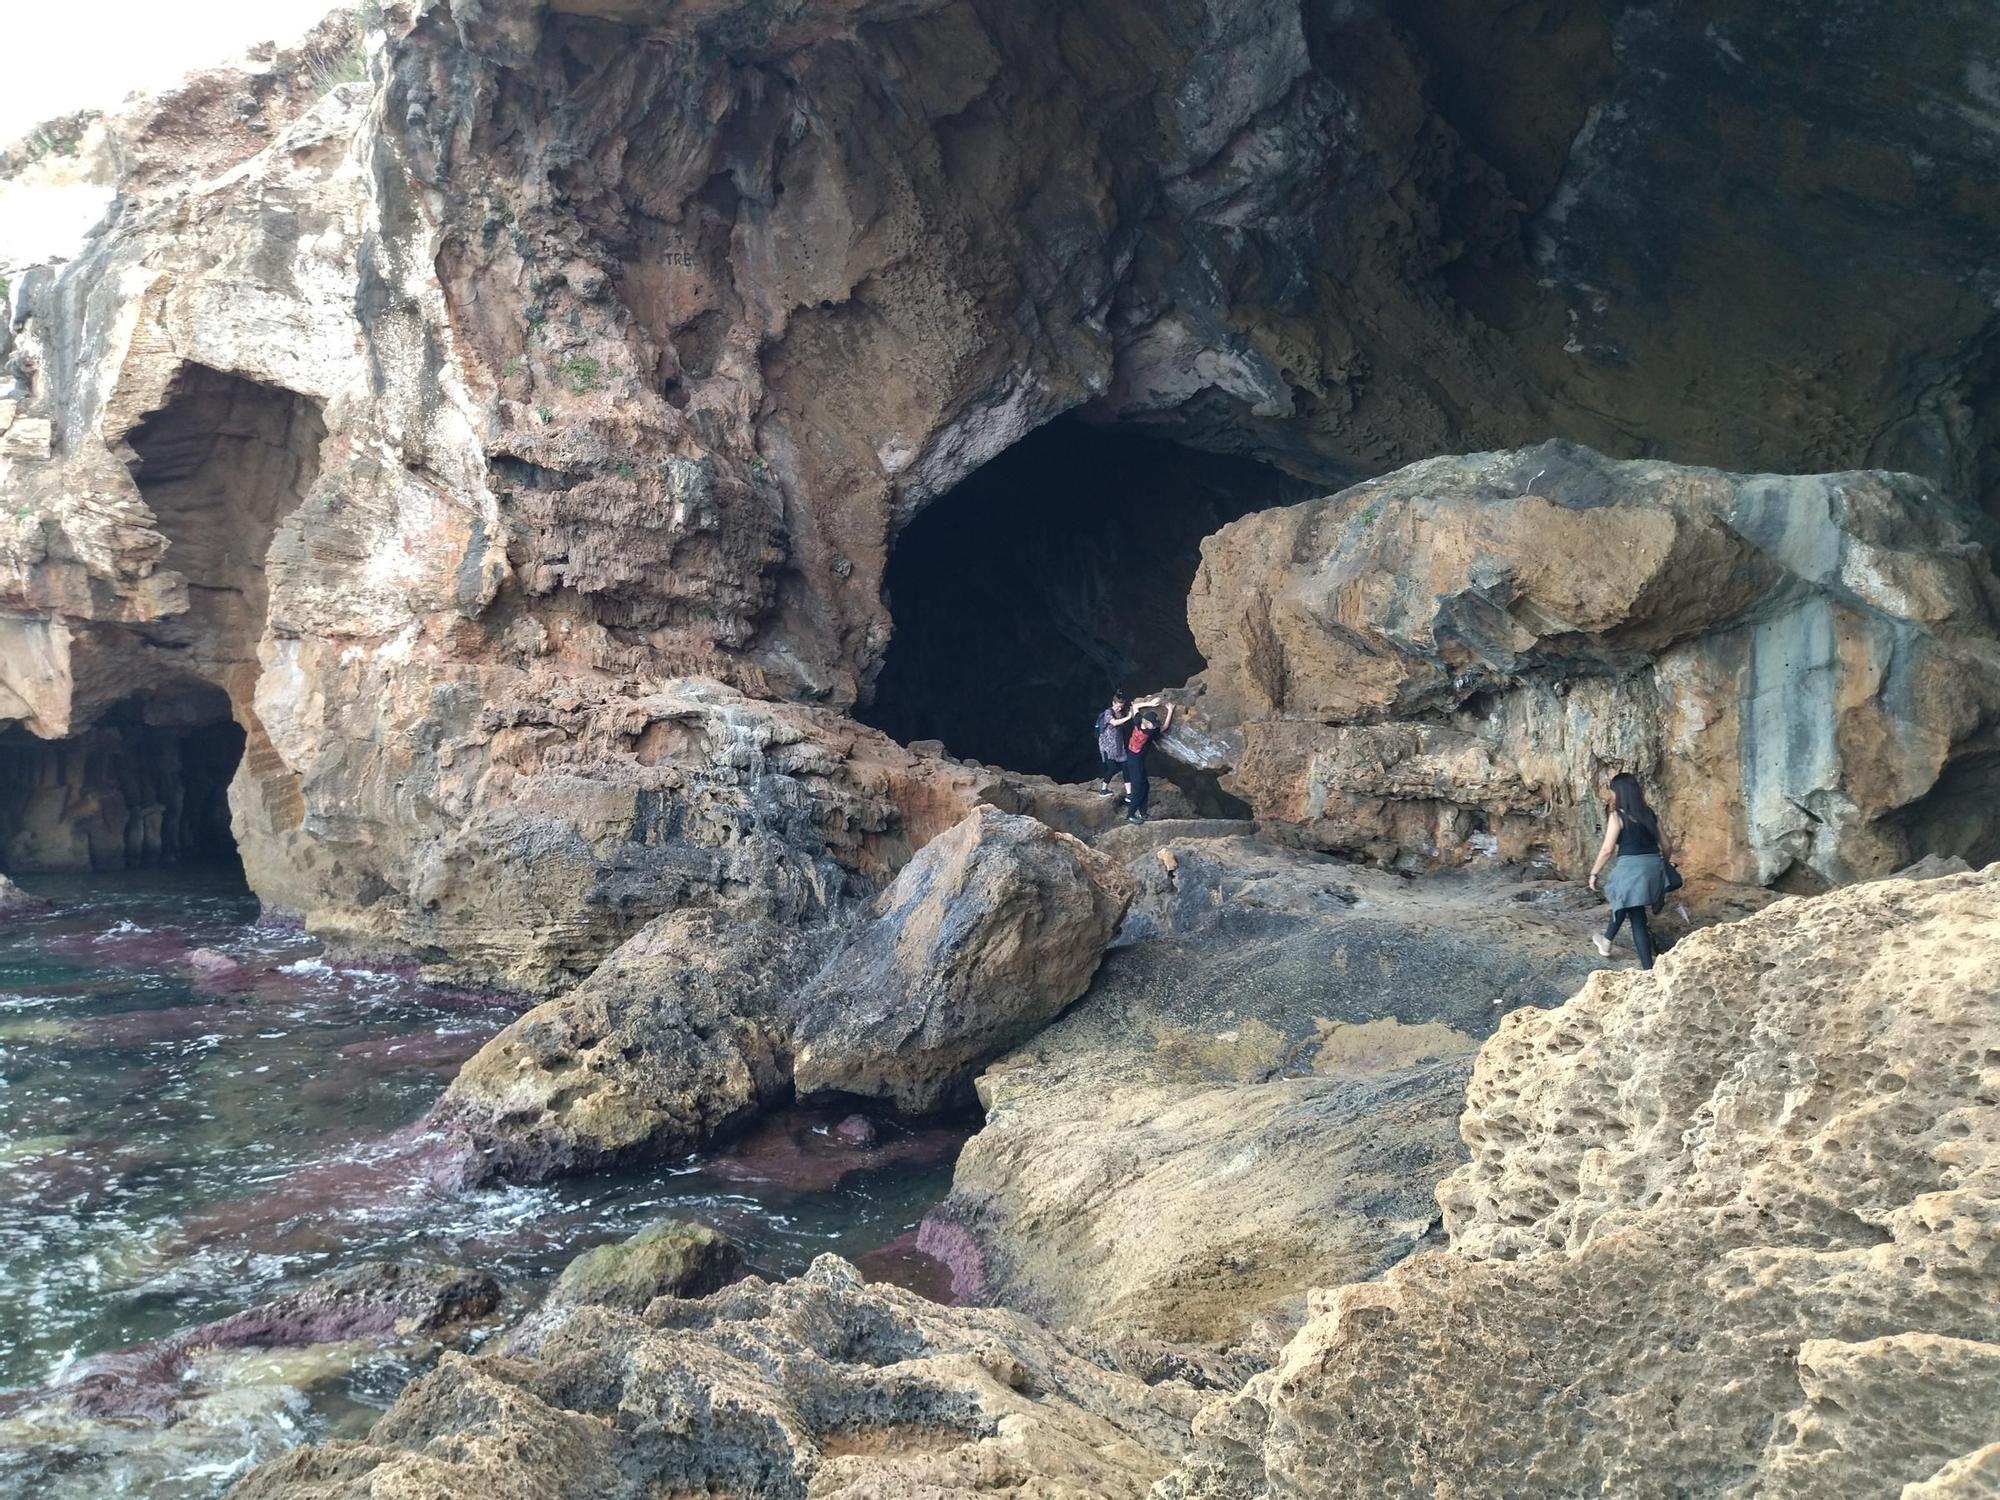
[[1641, 876], [1138, 786], [1111, 734]]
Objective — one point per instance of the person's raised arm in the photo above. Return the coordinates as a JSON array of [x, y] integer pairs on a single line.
[[1605, 850], [1168, 722]]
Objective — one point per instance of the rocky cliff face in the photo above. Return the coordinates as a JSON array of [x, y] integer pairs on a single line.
[[445, 431]]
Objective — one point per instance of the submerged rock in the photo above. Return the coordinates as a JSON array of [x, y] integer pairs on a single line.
[[16, 902], [375, 1302], [1726, 1230], [983, 938], [820, 1386], [1804, 670]]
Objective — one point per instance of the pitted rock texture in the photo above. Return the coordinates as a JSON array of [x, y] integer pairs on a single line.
[[981, 940], [1727, 1230], [1257, 1095], [431, 427], [1805, 670], [819, 1386]]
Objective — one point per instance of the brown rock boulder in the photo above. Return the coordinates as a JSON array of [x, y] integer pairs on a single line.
[[673, 1041], [1727, 1230], [1453, 658], [982, 939]]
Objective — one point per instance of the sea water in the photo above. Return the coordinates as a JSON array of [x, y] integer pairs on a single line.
[[176, 1146]]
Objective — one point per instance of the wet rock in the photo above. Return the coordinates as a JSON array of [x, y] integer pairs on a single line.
[[673, 1042], [1739, 1208], [1257, 1095], [799, 1151], [986, 935], [1449, 661], [377, 1302], [210, 964], [674, 1258], [820, 1385], [16, 902], [855, 1130]]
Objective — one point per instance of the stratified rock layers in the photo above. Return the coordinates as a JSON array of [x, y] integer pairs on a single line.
[[1805, 670], [1727, 1230]]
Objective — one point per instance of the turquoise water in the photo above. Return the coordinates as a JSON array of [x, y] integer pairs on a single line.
[[174, 1149]]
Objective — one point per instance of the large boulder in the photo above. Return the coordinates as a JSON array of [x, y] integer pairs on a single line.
[[1727, 1230], [1806, 670], [819, 1386], [1258, 1094], [981, 940], [673, 1041]]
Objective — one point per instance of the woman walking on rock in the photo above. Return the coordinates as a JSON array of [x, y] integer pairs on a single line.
[[1638, 880]]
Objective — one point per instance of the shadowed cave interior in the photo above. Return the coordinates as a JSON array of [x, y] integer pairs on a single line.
[[144, 780], [1049, 576], [124, 794]]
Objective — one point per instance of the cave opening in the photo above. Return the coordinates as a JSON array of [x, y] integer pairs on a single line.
[[165, 714], [125, 794], [1052, 574]]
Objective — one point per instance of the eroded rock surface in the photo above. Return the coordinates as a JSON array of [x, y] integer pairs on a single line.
[[672, 1042], [437, 428], [1258, 1094], [1806, 670], [816, 1386], [1727, 1230], [981, 940]]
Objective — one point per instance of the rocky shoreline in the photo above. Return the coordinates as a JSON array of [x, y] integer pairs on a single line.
[[458, 479], [1706, 1211]]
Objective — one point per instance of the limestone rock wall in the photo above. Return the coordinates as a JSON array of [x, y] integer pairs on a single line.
[[1804, 670], [577, 351], [1727, 1230]]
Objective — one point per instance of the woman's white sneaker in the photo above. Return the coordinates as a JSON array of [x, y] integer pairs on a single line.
[[1601, 943]]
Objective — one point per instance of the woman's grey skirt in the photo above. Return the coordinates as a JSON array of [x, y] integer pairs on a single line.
[[1636, 880]]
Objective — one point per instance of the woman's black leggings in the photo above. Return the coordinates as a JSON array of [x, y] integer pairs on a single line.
[[1138, 786], [1642, 936]]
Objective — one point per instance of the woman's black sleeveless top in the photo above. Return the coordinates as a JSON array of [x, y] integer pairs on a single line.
[[1633, 839]]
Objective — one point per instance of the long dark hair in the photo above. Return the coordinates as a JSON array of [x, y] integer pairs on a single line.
[[1628, 800]]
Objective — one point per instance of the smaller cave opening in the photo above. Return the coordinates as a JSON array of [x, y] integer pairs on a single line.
[[1051, 575], [123, 794]]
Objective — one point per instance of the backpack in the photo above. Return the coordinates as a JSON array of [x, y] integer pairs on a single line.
[[1143, 734]]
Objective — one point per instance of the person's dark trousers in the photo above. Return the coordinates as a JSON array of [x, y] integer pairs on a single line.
[[1642, 935], [1138, 786], [1110, 770]]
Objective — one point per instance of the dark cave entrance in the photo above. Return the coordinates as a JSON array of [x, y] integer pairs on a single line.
[[1049, 576], [124, 794], [144, 780]]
